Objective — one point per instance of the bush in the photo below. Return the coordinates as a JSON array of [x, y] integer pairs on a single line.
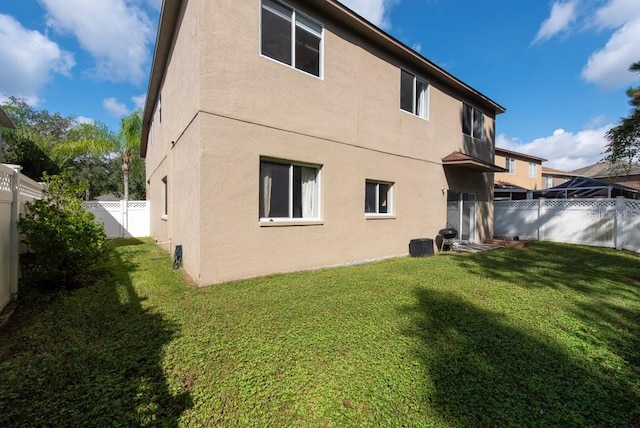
[[65, 245]]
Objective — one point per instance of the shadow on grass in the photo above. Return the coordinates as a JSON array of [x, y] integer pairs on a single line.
[[91, 357], [487, 373], [607, 282]]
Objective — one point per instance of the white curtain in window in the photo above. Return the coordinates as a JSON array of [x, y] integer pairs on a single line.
[[266, 181], [309, 193]]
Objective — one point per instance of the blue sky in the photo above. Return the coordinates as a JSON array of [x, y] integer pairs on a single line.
[[559, 67]]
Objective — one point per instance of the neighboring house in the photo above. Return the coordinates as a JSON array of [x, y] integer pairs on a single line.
[[5, 122], [623, 173], [283, 136], [522, 170], [554, 177]]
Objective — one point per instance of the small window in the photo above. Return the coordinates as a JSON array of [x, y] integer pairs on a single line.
[[472, 122], [548, 182], [289, 191], [510, 165], [533, 169], [414, 94], [378, 198], [291, 37], [165, 211]]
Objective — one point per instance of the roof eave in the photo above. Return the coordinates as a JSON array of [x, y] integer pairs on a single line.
[[169, 15], [5, 120]]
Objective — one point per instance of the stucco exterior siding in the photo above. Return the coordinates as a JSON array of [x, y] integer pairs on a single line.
[[225, 107], [236, 244]]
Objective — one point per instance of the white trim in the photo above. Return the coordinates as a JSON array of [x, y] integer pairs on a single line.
[[293, 20], [427, 95], [390, 199], [269, 221]]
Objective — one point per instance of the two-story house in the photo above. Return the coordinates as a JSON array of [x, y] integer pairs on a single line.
[[291, 135], [522, 174]]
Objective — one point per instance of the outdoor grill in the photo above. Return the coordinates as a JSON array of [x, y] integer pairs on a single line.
[[448, 235]]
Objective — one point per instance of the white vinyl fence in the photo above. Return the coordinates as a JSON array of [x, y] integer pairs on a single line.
[[15, 190], [122, 219], [611, 223]]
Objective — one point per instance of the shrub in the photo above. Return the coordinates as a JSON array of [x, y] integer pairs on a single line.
[[65, 246]]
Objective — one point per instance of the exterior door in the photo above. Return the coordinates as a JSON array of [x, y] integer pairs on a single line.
[[461, 214]]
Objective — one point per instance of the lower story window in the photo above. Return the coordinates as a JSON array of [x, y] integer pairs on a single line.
[[289, 191], [378, 197]]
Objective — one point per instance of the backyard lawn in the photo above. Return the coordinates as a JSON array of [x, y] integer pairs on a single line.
[[543, 336]]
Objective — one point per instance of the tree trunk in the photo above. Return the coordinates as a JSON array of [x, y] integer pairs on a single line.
[[125, 176]]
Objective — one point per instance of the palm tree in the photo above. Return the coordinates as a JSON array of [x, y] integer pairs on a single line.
[[98, 140], [129, 144]]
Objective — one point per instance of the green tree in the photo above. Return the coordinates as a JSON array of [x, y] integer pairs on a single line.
[[37, 132], [624, 139], [97, 140]]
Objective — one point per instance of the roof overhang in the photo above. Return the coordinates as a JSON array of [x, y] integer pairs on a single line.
[[504, 152], [470, 162], [5, 120]]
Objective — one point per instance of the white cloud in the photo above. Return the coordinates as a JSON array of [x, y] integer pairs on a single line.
[[114, 107], [616, 13], [562, 16], [139, 100], [375, 11], [82, 120], [117, 33], [564, 150], [417, 47], [608, 67], [29, 59]]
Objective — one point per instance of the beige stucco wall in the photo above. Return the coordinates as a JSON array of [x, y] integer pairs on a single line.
[[521, 177], [239, 106]]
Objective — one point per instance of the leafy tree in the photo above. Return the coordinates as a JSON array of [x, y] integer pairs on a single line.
[[36, 133], [97, 140], [624, 139], [66, 246]]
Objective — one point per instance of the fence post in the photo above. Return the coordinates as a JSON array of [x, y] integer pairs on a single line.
[[124, 215], [540, 215], [14, 244], [618, 224]]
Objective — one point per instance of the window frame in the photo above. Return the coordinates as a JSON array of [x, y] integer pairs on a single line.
[[548, 182], [389, 197], [297, 19], [533, 167], [509, 163], [426, 93], [475, 112], [317, 218]]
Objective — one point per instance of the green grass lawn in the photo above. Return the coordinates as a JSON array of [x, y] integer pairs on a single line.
[[544, 336]]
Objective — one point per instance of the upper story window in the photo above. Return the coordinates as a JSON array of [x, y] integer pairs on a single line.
[[510, 165], [548, 182], [289, 191], [533, 169], [291, 37], [472, 122], [378, 198], [414, 94]]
